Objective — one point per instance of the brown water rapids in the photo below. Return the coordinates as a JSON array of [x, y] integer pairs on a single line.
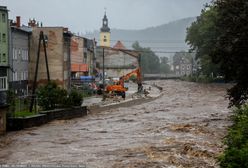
[[184, 127]]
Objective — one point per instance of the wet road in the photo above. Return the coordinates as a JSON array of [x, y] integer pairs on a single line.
[[182, 128]]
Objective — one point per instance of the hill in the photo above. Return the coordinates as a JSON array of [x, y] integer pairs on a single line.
[[163, 39]]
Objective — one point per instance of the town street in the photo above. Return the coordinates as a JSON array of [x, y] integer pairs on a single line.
[[182, 128]]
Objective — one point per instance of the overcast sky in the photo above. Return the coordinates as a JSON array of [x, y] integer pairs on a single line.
[[86, 15]]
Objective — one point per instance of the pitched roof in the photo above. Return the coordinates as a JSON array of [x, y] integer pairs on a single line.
[[119, 45]]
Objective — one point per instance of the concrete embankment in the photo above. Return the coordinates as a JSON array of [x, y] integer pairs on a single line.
[[152, 92]]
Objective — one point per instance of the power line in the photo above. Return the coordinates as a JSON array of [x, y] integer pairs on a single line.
[[150, 41]]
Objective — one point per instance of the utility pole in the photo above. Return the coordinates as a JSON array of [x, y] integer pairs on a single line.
[[41, 38], [103, 72]]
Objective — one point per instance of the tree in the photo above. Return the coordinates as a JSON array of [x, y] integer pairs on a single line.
[[164, 66], [202, 36], [230, 50], [149, 60], [164, 60], [221, 33]]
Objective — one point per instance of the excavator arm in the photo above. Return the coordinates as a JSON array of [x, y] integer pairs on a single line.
[[119, 88]]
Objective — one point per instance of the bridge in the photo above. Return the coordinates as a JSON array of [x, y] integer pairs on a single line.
[[160, 76]]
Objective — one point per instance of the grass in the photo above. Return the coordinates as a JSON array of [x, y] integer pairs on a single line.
[[24, 114]]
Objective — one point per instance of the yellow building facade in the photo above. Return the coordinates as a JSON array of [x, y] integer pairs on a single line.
[[105, 33], [105, 39]]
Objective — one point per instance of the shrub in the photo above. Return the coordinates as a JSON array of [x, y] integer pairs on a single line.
[[236, 153], [75, 98], [50, 96]]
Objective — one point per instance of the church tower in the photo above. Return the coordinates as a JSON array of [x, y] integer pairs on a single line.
[[105, 32]]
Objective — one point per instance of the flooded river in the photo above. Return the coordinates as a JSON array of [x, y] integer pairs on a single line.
[[184, 127]]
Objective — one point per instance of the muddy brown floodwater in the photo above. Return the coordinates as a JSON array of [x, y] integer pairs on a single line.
[[182, 128]]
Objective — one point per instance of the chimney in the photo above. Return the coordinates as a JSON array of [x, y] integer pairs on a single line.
[[18, 21]]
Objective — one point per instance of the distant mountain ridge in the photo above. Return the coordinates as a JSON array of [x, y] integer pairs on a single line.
[[168, 37]]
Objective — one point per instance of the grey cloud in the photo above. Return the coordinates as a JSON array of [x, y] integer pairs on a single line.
[[86, 15]]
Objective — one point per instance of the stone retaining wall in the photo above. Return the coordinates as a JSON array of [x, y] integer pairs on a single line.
[[15, 124]]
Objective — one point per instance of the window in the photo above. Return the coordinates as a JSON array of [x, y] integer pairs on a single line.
[[4, 59], [4, 37], [14, 76], [21, 76], [105, 39], [26, 75], [23, 54], [27, 55], [85, 58], [3, 72], [19, 53], [3, 83], [3, 18], [14, 54]]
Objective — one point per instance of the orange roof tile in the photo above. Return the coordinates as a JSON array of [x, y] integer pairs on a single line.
[[119, 45]]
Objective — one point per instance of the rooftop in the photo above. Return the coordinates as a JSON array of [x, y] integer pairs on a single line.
[[3, 8], [119, 45]]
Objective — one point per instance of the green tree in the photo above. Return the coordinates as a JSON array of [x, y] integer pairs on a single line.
[[164, 66], [230, 49], [75, 98], [164, 60], [221, 33], [202, 36], [149, 60]]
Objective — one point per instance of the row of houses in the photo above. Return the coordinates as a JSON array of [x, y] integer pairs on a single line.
[[69, 55]]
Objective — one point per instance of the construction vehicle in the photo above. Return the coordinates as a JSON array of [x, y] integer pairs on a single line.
[[118, 88]]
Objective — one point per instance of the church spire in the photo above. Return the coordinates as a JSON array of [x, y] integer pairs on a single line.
[[105, 27], [105, 32]]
